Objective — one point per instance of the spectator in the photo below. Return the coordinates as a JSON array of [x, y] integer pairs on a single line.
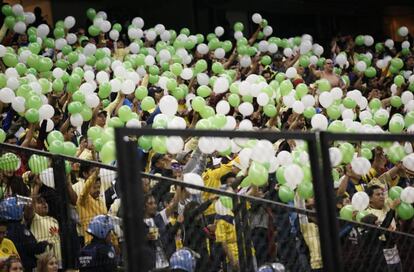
[[47, 262]]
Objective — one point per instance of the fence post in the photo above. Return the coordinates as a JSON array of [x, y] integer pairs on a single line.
[[132, 201], [247, 235], [65, 231], [325, 204], [239, 234]]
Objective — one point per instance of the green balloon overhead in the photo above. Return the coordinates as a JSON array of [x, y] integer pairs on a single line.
[[9, 162], [38, 163]]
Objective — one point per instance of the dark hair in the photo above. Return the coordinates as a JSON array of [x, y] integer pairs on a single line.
[[147, 197], [369, 219], [370, 190], [84, 168], [224, 178], [8, 263]]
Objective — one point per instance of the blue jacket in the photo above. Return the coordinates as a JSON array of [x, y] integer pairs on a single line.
[[98, 256]]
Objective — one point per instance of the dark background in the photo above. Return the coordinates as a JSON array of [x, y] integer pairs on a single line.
[[323, 19]]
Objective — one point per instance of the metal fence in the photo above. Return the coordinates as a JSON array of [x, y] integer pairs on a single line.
[[254, 229]]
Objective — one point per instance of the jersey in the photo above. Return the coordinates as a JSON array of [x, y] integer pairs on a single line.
[[98, 256]]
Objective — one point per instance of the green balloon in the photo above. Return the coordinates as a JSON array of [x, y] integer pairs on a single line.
[[91, 13], [159, 144], [125, 113], [86, 113], [305, 190], [396, 101], [69, 149], [347, 151], [78, 96], [115, 122], [32, 115], [38, 163], [56, 147], [104, 90], [108, 152], [396, 153], [34, 102], [7, 10], [286, 87], [203, 91], [227, 202], [366, 153], [75, 107], [397, 63], [266, 60], [10, 21], [395, 192], [176, 69], [55, 135], [405, 211], [238, 26], [309, 112], [94, 132], [117, 27], [9, 162], [286, 194], [93, 31], [409, 119], [72, 57], [200, 66], [333, 112], [379, 47], [10, 59], [147, 103], [2, 136], [207, 112], [399, 80], [337, 127], [301, 90], [361, 215], [270, 110], [145, 142], [217, 68], [59, 33], [324, 85], [349, 103], [258, 174], [395, 126], [280, 175], [375, 104], [346, 212], [370, 72], [198, 104], [304, 61]]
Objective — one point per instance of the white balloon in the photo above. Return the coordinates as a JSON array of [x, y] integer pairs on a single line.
[[291, 72], [262, 99], [46, 111], [298, 107], [219, 31], [263, 46], [238, 35], [267, 31], [151, 35], [223, 107], [360, 166], [116, 85], [360, 201], [134, 48], [47, 177], [335, 155], [245, 61], [202, 79], [308, 100], [202, 48], [42, 31], [336, 93], [128, 87], [263, 151], [149, 60], [368, 40], [220, 209], [230, 124], [257, 18], [105, 26], [17, 9], [403, 31], [222, 144], [341, 59], [165, 36], [288, 100], [133, 33], [246, 124], [219, 53], [138, 22], [406, 97], [114, 35], [284, 158], [177, 123], [69, 22], [407, 195], [221, 85], [318, 50], [168, 105], [408, 161], [76, 120], [305, 47], [348, 114], [246, 108], [102, 77], [244, 157], [19, 27], [405, 44], [29, 18], [133, 123], [294, 175], [3, 50], [92, 100], [13, 83], [361, 66], [175, 144], [49, 125], [71, 38], [206, 145], [6, 95], [186, 74], [325, 99], [18, 104], [319, 122], [287, 52], [389, 43]]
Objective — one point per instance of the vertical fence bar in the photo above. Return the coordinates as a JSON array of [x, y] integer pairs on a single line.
[[240, 237], [65, 231], [247, 235], [132, 202], [325, 204]]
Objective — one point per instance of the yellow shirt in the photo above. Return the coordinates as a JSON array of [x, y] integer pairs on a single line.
[[46, 228], [88, 207], [226, 233], [211, 179], [310, 233], [7, 249]]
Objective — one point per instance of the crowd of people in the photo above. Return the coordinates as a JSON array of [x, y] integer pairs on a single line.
[[64, 91]]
